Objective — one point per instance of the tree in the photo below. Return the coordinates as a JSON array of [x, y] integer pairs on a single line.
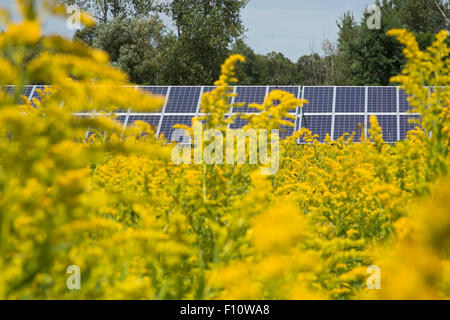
[[245, 72], [206, 29], [372, 57], [106, 10], [310, 70], [135, 45], [422, 16]]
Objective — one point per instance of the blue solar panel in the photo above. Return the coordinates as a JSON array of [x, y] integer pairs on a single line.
[[37, 94], [121, 119], [249, 95], [382, 99], [183, 100], [388, 124], [208, 89], [170, 120], [406, 126], [160, 91], [320, 125], [239, 123], [348, 124], [151, 119], [350, 99], [211, 88], [286, 131], [320, 99], [293, 90], [25, 91], [404, 104]]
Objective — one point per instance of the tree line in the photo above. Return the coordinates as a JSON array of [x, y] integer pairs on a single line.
[[184, 42]]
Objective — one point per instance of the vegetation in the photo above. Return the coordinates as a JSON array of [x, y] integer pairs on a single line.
[[206, 32], [139, 226]]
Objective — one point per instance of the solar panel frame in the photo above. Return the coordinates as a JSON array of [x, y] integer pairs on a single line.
[[386, 102], [320, 99], [177, 102], [315, 126], [350, 99], [287, 131], [169, 120], [290, 89], [343, 122], [154, 90], [389, 125], [249, 95], [405, 126], [207, 89], [35, 93], [152, 119], [166, 100]]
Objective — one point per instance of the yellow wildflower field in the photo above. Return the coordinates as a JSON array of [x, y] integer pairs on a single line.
[[139, 226]]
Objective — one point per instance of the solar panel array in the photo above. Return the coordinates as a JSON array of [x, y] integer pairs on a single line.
[[331, 110], [339, 110]]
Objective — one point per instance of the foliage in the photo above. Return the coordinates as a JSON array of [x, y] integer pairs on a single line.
[[141, 227], [372, 57], [107, 10], [135, 45]]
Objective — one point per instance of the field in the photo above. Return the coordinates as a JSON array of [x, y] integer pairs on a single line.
[[113, 217]]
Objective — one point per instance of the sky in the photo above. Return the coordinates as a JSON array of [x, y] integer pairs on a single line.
[[293, 27]]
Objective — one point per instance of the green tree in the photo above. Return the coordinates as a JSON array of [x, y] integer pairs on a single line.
[[245, 72], [310, 70], [274, 68], [135, 45], [422, 16], [106, 10], [205, 31], [372, 57]]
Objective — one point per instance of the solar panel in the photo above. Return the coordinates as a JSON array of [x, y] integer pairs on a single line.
[[25, 90], [249, 95], [183, 100], [290, 89], [382, 99], [389, 125], [350, 99], [37, 94], [211, 88], [286, 131], [406, 126], [348, 124], [239, 123], [151, 119], [404, 104], [349, 110], [317, 124], [208, 89], [121, 119], [170, 120], [160, 91], [320, 99]]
